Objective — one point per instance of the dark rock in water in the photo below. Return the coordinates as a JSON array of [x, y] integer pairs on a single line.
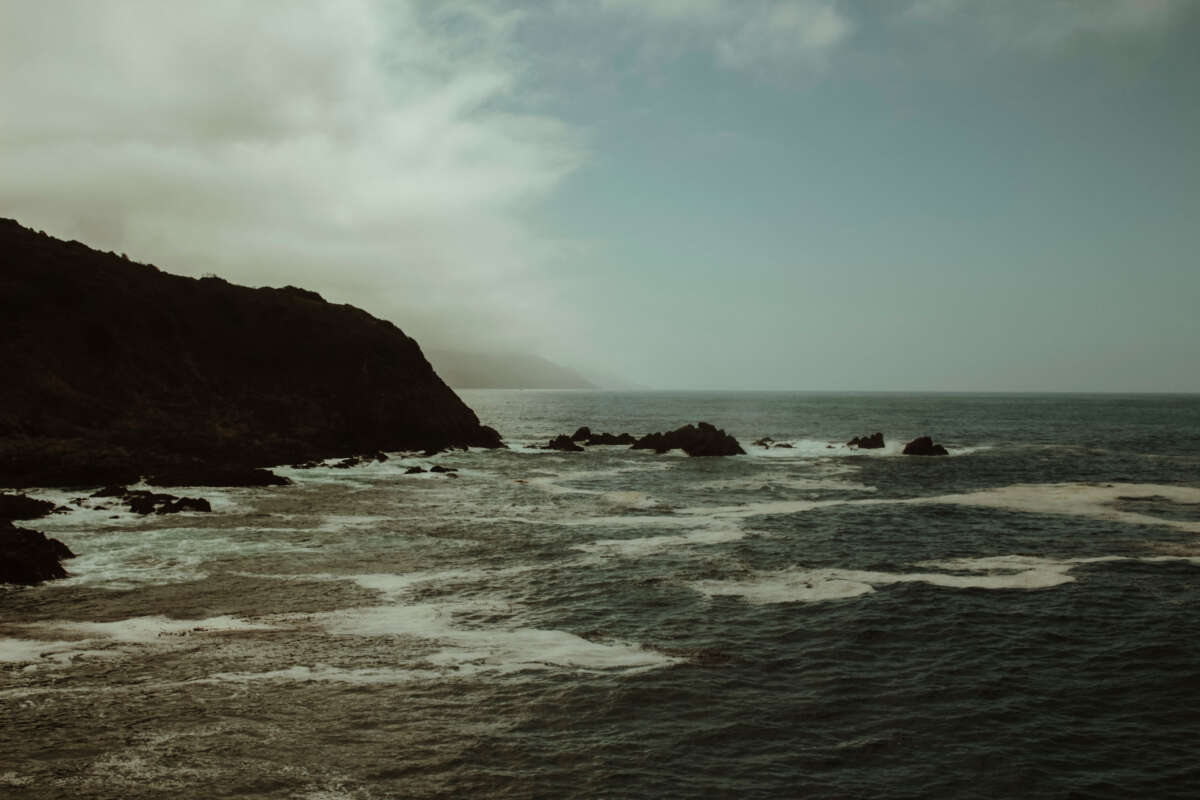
[[414, 470], [765, 441], [924, 446], [18, 506], [610, 439], [145, 502], [695, 440], [110, 491], [27, 557], [564, 443], [784, 445], [872, 442], [310, 464], [440, 468], [582, 433], [215, 475], [113, 369]]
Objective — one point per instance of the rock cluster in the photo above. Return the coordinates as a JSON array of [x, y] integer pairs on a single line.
[[141, 501], [872, 442]]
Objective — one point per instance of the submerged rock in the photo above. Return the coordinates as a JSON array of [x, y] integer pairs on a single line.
[[702, 439], [28, 558], [872, 442], [924, 446], [440, 468]]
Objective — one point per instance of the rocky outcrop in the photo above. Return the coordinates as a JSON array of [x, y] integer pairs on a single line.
[[563, 442], [872, 442], [581, 434], [924, 446], [113, 370], [18, 506], [695, 440], [28, 557]]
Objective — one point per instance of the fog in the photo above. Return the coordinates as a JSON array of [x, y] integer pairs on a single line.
[[805, 194]]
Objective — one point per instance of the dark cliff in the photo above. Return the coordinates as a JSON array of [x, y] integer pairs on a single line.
[[109, 367]]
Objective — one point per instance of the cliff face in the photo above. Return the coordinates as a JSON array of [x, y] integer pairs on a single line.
[[108, 365]]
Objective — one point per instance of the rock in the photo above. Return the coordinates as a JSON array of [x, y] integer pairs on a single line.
[[19, 506], [109, 491], [695, 440], [564, 443], [924, 446], [414, 471], [784, 445], [28, 558], [765, 441], [142, 501], [582, 433], [440, 468], [610, 439], [217, 475], [310, 464], [872, 442]]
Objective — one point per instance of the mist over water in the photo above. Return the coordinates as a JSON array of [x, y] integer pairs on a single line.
[[1021, 618]]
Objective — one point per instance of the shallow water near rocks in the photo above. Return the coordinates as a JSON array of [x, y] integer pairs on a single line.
[[1021, 618]]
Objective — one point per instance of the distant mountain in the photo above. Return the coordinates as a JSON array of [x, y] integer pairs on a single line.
[[110, 368], [463, 370]]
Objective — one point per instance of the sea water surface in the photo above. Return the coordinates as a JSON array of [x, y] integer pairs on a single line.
[[1019, 619]]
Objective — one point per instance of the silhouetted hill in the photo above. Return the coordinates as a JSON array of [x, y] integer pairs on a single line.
[[464, 370], [108, 366]]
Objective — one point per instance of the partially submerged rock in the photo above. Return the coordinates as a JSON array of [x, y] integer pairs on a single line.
[[414, 471], [564, 443], [607, 438], [28, 557], [924, 446], [440, 468], [19, 506], [581, 434], [141, 501], [695, 440], [872, 442]]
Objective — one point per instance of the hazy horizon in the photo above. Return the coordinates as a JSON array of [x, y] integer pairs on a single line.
[[812, 195]]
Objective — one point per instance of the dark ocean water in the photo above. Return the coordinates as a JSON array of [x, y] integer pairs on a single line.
[[1020, 619]]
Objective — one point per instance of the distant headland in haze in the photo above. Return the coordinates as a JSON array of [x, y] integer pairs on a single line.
[[113, 368]]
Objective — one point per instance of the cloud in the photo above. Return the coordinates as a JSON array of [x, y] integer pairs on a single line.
[[381, 153], [1048, 23], [751, 35]]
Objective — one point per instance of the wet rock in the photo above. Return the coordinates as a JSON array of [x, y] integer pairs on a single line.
[[563, 442], [581, 434], [414, 471], [924, 446], [20, 506], [872, 442], [141, 501], [28, 558], [440, 468], [702, 439], [765, 441], [783, 445]]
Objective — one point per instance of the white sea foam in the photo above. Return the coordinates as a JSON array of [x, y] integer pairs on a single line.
[[1016, 572], [638, 547], [1095, 500]]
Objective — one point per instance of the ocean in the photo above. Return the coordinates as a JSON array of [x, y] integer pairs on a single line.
[[1018, 619]]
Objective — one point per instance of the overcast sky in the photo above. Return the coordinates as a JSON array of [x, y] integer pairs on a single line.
[[788, 194]]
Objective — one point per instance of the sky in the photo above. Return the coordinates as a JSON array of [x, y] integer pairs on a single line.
[[893, 195]]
